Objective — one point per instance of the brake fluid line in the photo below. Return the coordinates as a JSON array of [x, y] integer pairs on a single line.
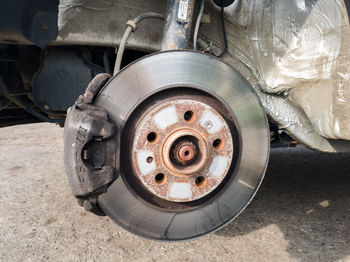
[[131, 27]]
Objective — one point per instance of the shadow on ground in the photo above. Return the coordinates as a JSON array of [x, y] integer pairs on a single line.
[[307, 195]]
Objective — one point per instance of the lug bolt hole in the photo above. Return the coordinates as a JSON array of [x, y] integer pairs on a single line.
[[149, 160], [160, 178], [218, 144], [152, 137], [200, 181], [189, 116]]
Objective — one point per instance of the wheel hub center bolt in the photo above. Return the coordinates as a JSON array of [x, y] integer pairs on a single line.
[[185, 152]]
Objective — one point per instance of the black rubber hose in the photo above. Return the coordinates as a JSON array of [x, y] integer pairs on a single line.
[[223, 30]]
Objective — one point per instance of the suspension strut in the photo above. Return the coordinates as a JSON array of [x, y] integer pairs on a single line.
[[178, 24]]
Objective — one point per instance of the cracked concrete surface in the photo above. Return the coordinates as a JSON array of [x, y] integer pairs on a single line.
[[301, 212]]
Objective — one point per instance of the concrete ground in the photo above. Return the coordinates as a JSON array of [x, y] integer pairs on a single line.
[[301, 213]]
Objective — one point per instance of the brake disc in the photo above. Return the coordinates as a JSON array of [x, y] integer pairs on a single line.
[[194, 145]]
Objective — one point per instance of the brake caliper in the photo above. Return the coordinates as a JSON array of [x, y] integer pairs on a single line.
[[88, 147]]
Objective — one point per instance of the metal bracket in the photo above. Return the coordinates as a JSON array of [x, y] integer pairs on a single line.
[[87, 130]]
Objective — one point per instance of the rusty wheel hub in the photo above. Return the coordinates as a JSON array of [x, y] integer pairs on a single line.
[[182, 149]]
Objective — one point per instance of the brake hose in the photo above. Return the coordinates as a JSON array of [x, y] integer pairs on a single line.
[[131, 27], [198, 22], [222, 18]]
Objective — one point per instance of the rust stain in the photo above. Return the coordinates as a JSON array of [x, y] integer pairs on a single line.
[[184, 151]]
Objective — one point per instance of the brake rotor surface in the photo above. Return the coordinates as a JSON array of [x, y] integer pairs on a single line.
[[194, 145]]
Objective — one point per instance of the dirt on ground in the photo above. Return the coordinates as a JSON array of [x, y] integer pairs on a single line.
[[301, 213]]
